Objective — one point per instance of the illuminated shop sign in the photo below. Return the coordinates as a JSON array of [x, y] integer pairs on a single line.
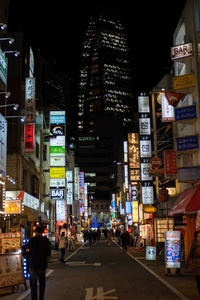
[[184, 81], [57, 119], [12, 206], [144, 126], [128, 207], [126, 176], [57, 172], [57, 129], [29, 138], [133, 150], [3, 145], [57, 151], [30, 99], [187, 143], [135, 208], [57, 161], [145, 167], [167, 110], [57, 182], [59, 140], [3, 70], [181, 51], [143, 104], [60, 210], [76, 183], [69, 193], [57, 194], [69, 175], [145, 148], [185, 113], [173, 247], [125, 151], [147, 195]]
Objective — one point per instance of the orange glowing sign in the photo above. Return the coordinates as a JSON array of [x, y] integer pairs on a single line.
[[12, 206]]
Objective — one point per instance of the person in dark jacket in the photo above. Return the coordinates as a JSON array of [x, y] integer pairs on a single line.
[[39, 250], [194, 258], [125, 239]]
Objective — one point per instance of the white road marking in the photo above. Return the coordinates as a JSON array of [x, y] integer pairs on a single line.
[[82, 264], [167, 284], [26, 293], [101, 295]]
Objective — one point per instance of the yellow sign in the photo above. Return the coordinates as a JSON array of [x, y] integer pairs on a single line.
[[135, 213], [57, 172], [184, 81], [12, 206], [150, 209]]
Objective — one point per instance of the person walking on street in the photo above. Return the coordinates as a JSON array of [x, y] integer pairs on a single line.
[[194, 258], [109, 237], [98, 234], [39, 250], [124, 238], [62, 246]]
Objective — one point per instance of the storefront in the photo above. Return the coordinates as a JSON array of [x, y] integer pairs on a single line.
[[188, 205]]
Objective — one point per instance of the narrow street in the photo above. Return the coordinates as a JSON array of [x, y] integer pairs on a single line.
[[103, 272]]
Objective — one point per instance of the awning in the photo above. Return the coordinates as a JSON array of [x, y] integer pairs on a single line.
[[187, 202], [32, 214]]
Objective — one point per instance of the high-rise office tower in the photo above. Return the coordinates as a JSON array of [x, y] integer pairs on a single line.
[[105, 76], [104, 109]]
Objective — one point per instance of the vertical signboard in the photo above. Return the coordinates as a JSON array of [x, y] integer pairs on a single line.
[[29, 138], [170, 168], [167, 110], [60, 210], [3, 70], [3, 145], [30, 99], [173, 247], [76, 184]]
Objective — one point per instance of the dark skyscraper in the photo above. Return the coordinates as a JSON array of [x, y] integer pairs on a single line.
[[104, 108], [105, 76]]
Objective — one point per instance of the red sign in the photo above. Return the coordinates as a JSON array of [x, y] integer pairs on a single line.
[[156, 162], [170, 163], [29, 135], [173, 98]]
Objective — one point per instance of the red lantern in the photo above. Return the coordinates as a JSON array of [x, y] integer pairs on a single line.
[[45, 231], [163, 195]]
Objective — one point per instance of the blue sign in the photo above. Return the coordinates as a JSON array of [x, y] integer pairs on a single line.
[[128, 207], [57, 119], [187, 143], [185, 113]]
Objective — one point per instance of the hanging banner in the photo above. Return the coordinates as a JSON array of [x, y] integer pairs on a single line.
[[170, 168], [3, 145], [30, 99], [167, 110], [29, 138], [173, 247]]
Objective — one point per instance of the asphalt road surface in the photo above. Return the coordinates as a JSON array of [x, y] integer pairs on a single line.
[[103, 272]]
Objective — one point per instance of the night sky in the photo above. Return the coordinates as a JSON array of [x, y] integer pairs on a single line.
[[57, 28]]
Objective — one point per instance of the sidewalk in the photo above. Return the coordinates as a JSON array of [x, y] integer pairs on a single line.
[[185, 282], [7, 294]]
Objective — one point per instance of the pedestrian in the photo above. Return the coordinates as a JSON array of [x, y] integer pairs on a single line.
[[62, 245], [94, 237], [39, 250], [90, 237], [194, 258], [105, 233], [109, 237], [98, 234], [124, 238]]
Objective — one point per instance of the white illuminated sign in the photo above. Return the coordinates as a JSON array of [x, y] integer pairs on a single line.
[[57, 161], [69, 175], [145, 167], [181, 51], [3, 145], [59, 140], [57, 182], [30, 99], [145, 148], [57, 194], [144, 126], [60, 210], [167, 110], [126, 176], [143, 104], [76, 184], [69, 193], [147, 195]]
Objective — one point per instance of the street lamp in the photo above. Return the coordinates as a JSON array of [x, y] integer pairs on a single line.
[[10, 40], [3, 26], [7, 94], [16, 106], [11, 117], [16, 53]]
